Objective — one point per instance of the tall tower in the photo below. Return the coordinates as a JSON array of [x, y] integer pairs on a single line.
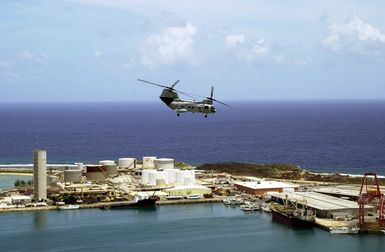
[[40, 175]]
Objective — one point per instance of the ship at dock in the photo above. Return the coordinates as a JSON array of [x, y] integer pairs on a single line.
[[137, 202], [293, 215]]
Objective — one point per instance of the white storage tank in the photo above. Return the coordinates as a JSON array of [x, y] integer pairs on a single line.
[[148, 162], [164, 163], [73, 176], [107, 162], [180, 175], [171, 175], [126, 163], [185, 177], [145, 176], [157, 175]]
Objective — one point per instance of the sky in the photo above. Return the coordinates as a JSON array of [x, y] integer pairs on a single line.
[[95, 50]]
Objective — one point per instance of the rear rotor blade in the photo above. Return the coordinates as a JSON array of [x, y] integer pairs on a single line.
[[152, 83], [222, 103], [173, 85], [212, 92]]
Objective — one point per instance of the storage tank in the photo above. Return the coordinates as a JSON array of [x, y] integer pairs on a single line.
[[185, 177], [145, 176], [107, 162], [126, 163], [111, 169], [160, 182], [180, 175], [148, 162], [73, 176], [164, 163], [157, 175], [96, 172], [171, 175]]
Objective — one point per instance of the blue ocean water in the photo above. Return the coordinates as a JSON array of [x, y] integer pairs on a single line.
[[201, 227], [344, 136]]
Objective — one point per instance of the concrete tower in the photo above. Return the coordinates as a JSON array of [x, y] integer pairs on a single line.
[[40, 175]]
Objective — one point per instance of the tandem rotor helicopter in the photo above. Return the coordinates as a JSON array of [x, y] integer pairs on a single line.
[[170, 97]]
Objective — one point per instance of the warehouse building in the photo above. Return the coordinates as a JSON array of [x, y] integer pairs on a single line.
[[323, 205], [261, 187]]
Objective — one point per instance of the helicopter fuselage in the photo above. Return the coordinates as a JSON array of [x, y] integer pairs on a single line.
[[171, 99]]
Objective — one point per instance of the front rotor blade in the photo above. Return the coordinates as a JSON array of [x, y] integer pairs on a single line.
[[212, 92], [186, 94], [152, 83], [195, 96]]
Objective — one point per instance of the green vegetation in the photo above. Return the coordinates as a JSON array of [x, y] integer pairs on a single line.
[[280, 171], [248, 169], [22, 183], [182, 165]]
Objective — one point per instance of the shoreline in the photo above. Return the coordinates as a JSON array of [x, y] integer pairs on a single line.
[[96, 205], [27, 174]]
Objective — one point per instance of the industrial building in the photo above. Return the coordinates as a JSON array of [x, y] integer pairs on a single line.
[[40, 175], [20, 199], [261, 187], [323, 205]]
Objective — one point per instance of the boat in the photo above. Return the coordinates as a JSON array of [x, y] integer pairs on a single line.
[[229, 201], [248, 207], [137, 202], [174, 197], [69, 207], [344, 230], [208, 195], [302, 218], [266, 208], [193, 196]]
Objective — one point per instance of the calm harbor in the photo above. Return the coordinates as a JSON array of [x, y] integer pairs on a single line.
[[207, 227]]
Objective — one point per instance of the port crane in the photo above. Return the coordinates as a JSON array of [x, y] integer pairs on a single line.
[[170, 97], [370, 193]]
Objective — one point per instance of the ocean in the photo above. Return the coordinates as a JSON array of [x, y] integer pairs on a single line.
[[201, 227], [341, 136]]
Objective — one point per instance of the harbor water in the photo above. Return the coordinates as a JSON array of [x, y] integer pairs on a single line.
[[201, 227], [8, 181]]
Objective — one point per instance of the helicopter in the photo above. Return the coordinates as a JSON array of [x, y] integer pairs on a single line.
[[170, 97]]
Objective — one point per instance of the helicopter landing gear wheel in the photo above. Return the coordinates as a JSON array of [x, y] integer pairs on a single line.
[[178, 114], [205, 116]]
